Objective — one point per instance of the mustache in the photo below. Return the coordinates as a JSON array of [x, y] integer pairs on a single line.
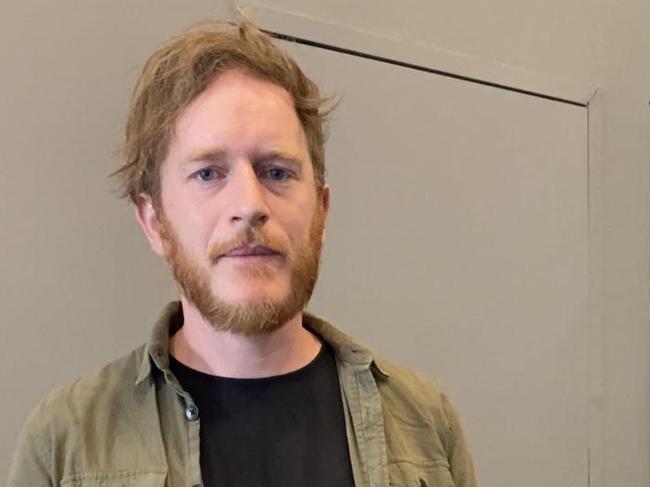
[[247, 237]]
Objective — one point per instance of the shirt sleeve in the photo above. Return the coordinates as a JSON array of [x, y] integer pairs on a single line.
[[458, 454], [32, 461]]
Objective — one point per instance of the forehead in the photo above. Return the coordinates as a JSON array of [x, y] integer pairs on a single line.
[[239, 112]]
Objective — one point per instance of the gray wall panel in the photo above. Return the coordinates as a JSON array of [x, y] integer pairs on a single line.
[[456, 242]]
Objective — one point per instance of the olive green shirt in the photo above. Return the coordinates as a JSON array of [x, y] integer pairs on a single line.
[[131, 423]]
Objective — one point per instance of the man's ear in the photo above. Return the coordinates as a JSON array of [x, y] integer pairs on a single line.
[[325, 204], [325, 199], [145, 213]]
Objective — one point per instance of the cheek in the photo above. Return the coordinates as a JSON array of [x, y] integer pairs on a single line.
[[193, 235], [299, 229], [194, 219]]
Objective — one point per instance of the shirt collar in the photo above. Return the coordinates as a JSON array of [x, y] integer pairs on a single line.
[[347, 350], [157, 350]]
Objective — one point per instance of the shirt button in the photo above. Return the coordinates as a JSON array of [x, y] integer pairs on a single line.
[[192, 412]]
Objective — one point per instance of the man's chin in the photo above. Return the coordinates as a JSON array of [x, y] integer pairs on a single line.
[[249, 317], [249, 304], [245, 296]]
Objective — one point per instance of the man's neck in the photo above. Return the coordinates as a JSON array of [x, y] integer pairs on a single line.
[[199, 346]]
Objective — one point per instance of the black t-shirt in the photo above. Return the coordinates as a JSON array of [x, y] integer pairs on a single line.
[[284, 431]]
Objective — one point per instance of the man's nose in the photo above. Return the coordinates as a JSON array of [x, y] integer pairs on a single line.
[[247, 198]]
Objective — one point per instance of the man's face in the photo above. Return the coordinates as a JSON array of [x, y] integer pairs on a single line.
[[239, 219]]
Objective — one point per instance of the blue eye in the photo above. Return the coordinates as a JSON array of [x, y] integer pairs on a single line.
[[277, 174], [206, 174]]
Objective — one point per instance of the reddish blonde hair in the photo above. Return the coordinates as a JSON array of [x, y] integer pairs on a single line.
[[181, 70]]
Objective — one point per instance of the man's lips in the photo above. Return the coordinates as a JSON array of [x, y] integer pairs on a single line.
[[251, 251]]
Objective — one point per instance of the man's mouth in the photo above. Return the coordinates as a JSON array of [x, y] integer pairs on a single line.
[[251, 251]]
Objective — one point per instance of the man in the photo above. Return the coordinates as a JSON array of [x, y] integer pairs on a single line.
[[238, 386]]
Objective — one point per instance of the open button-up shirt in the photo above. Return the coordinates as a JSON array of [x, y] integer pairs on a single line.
[[132, 424]]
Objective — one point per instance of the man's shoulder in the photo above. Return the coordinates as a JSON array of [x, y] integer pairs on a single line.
[[408, 395], [103, 420], [407, 385], [402, 390], [422, 429], [106, 389], [424, 438]]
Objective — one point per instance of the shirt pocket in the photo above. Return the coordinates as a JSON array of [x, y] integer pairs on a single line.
[[116, 479], [426, 474]]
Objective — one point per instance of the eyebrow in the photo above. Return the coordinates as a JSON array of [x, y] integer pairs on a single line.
[[217, 156], [266, 156], [209, 155]]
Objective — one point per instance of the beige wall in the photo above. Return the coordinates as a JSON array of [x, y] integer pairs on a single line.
[[596, 43]]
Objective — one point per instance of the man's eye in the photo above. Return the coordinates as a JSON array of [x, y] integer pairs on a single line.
[[277, 174], [207, 174]]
